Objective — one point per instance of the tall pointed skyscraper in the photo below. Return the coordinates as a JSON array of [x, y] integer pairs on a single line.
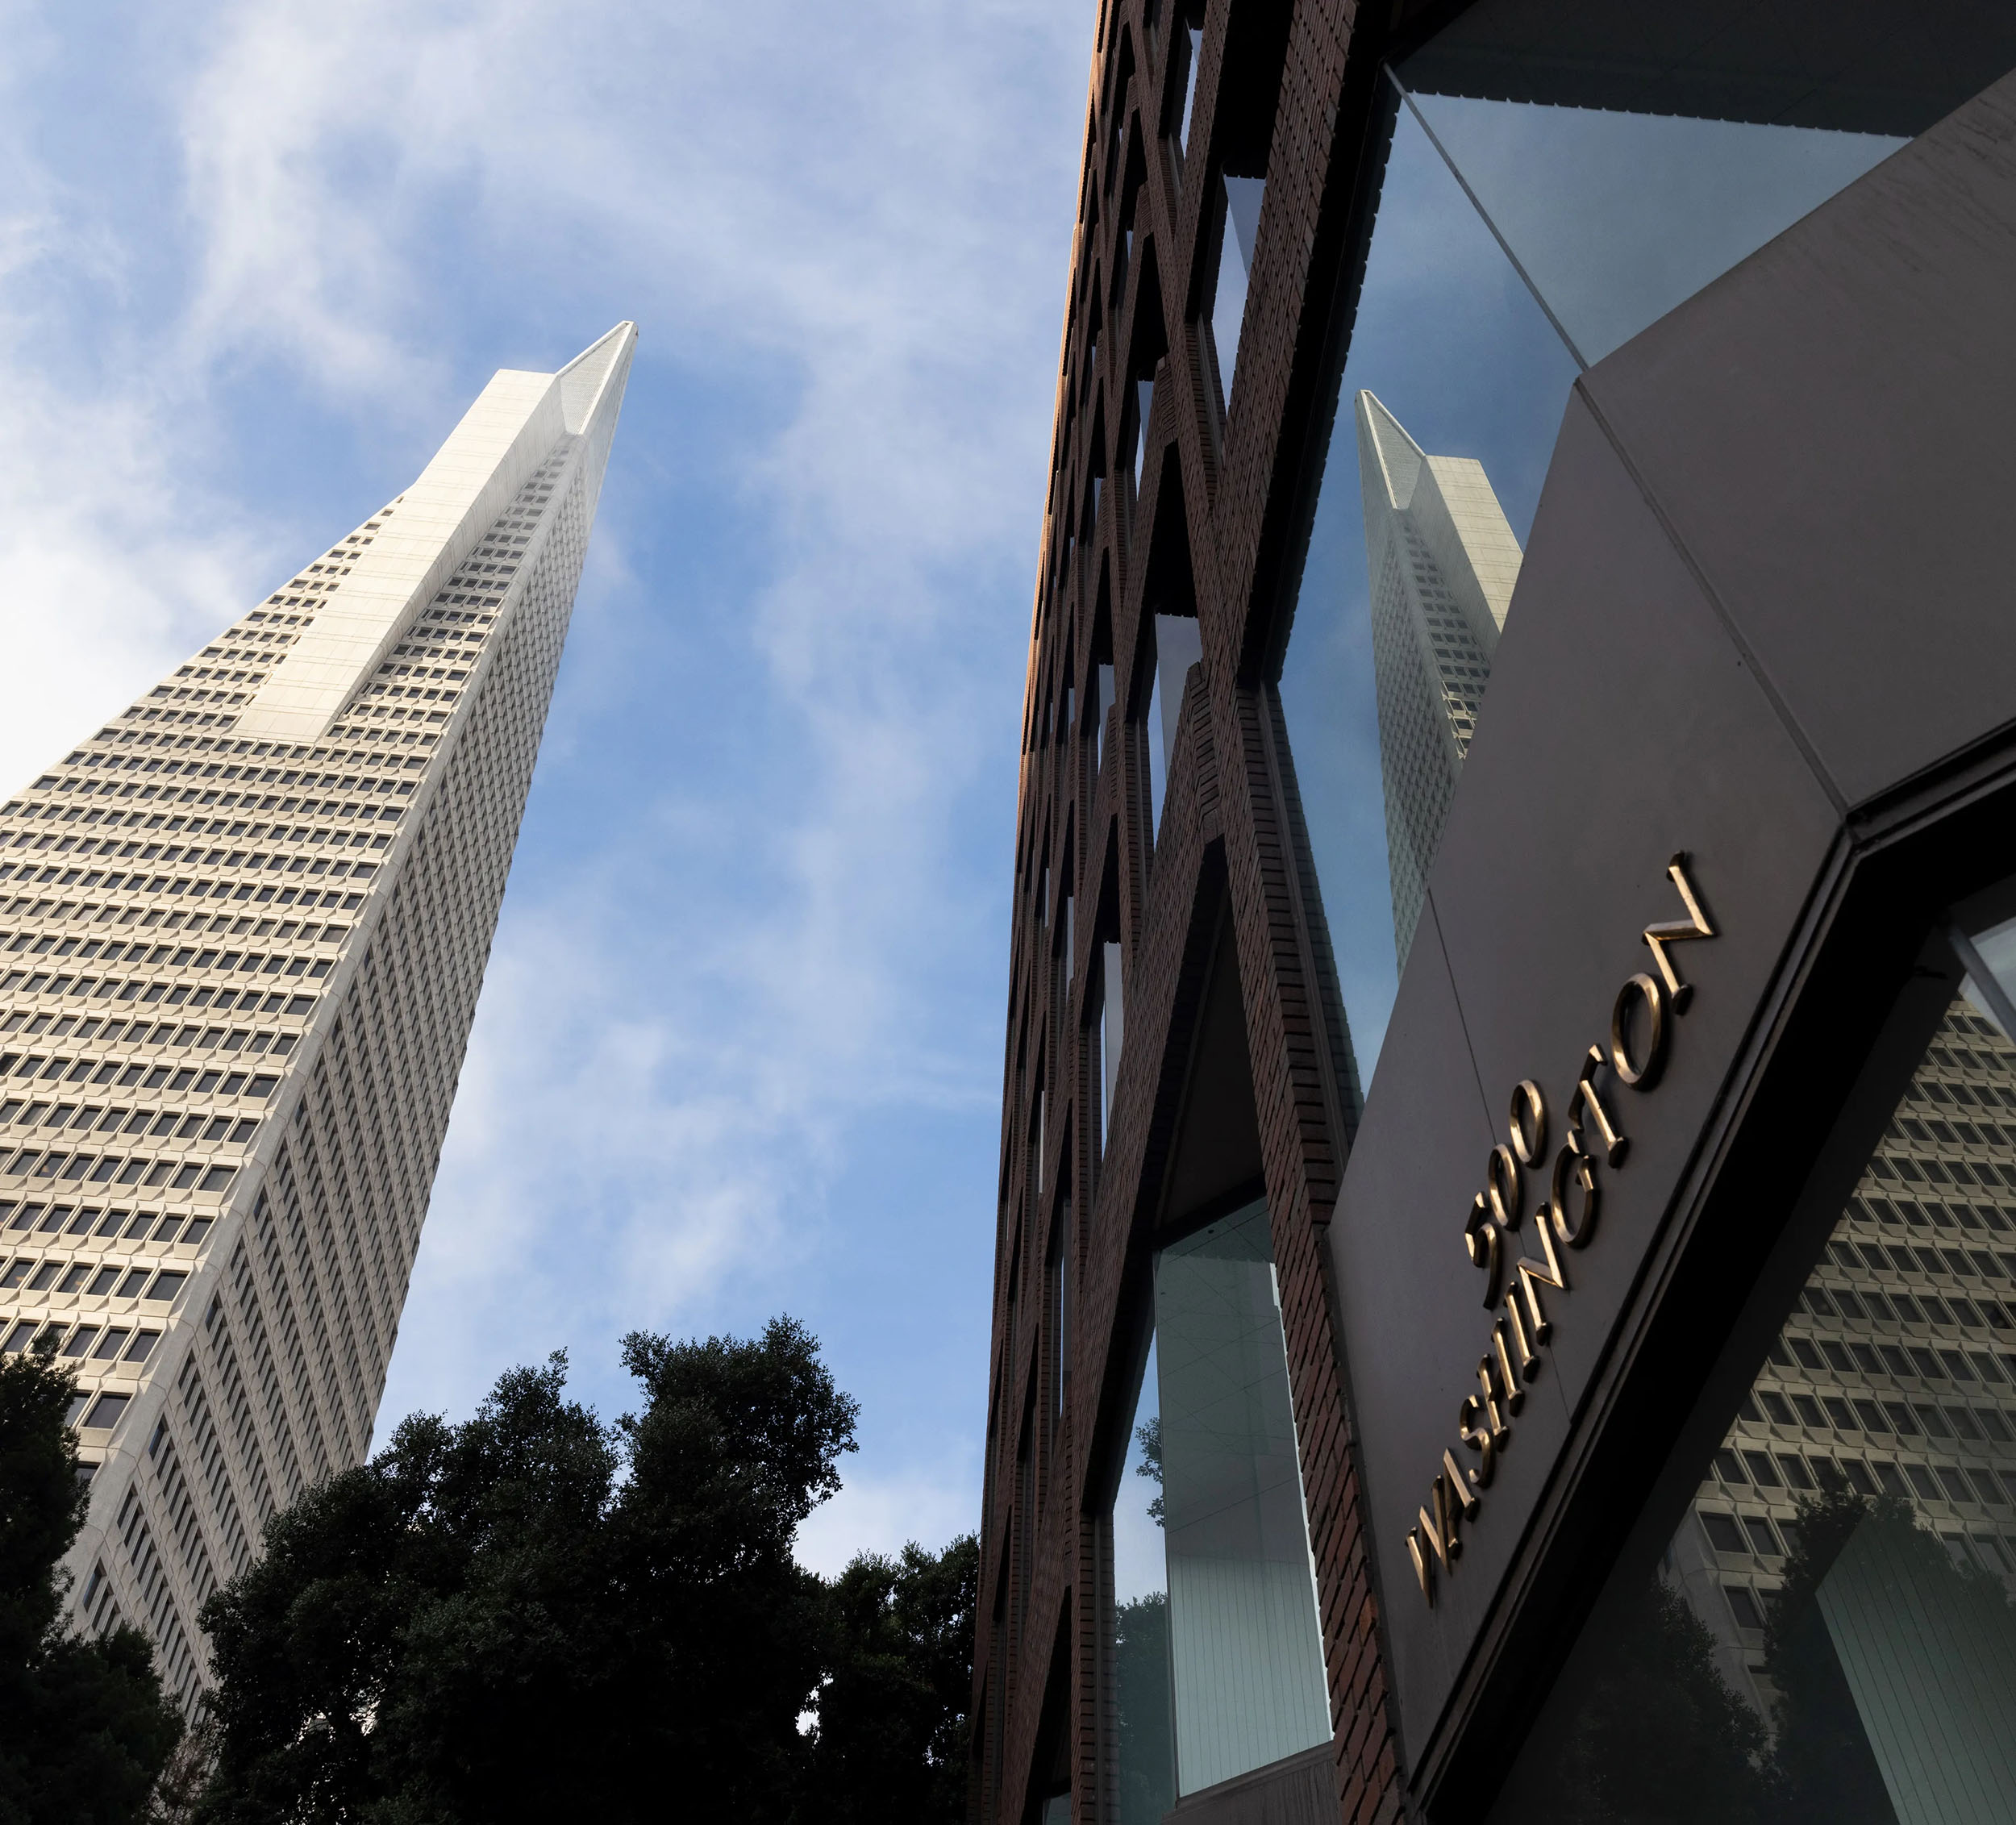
[[1442, 562], [244, 929]]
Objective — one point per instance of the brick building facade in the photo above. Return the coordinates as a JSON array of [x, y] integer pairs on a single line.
[[1179, 1055]]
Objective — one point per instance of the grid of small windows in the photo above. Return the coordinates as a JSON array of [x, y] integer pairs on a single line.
[[221, 887], [1461, 667], [1897, 1371], [1422, 744], [435, 659]]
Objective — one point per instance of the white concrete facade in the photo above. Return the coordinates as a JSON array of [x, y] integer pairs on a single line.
[[243, 929], [1442, 560]]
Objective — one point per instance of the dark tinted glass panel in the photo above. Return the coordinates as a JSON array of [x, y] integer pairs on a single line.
[[1613, 219], [1830, 1632], [1455, 357]]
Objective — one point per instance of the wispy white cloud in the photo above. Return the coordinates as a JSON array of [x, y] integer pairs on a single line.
[[884, 1515], [115, 561], [842, 233]]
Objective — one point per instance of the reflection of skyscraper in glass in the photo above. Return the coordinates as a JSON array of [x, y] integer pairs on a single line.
[[1442, 562], [1893, 1382], [1894, 1374], [250, 918]]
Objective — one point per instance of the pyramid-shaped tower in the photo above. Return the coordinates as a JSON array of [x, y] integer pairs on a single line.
[[245, 926], [1443, 560]]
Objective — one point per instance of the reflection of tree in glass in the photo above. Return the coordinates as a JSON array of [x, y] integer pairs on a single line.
[[1660, 1737], [1141, 1668], [1149, 1432], [1827, 1767]]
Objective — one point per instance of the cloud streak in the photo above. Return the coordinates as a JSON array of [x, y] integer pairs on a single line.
[[739, 1050]]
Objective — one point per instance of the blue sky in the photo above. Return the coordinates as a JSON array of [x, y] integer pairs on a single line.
[[739, 1050]]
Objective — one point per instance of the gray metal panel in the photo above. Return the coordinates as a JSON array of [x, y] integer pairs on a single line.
[[1411, 1320], [1827, 427], [1620, 728], [1622, 725], [1767, 583]]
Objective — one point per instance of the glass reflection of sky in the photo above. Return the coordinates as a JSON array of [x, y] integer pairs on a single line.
[[1617, 218], [1613, 219], [1453, 343], [1140, 1562]]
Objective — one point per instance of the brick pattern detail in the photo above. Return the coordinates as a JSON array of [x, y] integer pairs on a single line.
[[1230, 837]]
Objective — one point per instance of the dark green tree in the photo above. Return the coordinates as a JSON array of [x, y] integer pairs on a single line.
[[1829, 1769], [1149, 1432], [491, 1623], [1141, 1677], [1660, 1735], [738, 1444], [892, 1733], [85, 1730]]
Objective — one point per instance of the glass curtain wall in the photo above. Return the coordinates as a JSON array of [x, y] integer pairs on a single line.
[[1218, 1655], [1830, 1633], [1556, 180]]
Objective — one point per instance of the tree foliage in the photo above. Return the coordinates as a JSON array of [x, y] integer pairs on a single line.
[[892, 1734], [1660, 1736], [84, 1729], [536, 1615], [1147, 1741]]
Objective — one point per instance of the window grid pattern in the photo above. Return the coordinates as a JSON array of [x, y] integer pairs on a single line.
[[244, 1064], [1442, 562], [1896, 1370], [1422, 747]]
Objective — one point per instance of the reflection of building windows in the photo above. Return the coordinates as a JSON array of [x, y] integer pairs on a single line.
[[1860, 1662], [1442, 561]]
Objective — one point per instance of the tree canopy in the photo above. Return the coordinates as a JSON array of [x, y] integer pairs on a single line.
[[536, 1614], [892, 1734], [84, 1729]]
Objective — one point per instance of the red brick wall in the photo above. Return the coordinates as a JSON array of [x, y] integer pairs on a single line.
[[1226, 833]]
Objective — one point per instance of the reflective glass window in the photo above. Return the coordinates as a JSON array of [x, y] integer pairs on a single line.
[[1178, 646], [1112, 1028], [1245, 1643], [1217, 1644], [1828, 1629], [1556, 180], [1239, 225], [1144, 1754]]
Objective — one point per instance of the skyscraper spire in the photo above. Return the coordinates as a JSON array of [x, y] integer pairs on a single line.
[[1442, 562], [247, 924]]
